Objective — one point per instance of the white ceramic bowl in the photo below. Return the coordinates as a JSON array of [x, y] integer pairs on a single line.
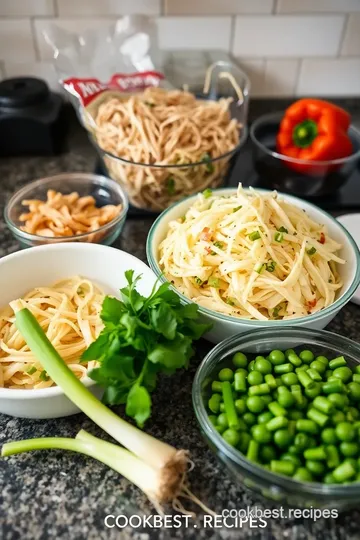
[[224, 325], [44, 265]]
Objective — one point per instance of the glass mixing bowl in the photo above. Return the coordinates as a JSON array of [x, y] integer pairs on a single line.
[[271, 486], [298, 176]]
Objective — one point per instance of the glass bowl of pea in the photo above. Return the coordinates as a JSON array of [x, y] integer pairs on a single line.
[[282, 412]]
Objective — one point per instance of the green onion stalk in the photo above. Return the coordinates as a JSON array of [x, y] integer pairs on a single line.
[[157, 468]]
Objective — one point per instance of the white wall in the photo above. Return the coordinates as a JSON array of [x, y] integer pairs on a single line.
[[288, 47]]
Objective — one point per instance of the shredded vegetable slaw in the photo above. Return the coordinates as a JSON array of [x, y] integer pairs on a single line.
[[252, 255]]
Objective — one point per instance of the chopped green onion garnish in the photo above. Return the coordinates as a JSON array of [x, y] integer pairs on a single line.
[[44, 376], [209, 166], [279, 237], [219, 245], [198, 281], [276, 311], [236, 209], [311, 251], [254, 236], [31, 370], [258, 268], [230, 302], [170, 186], [283, 229], [149, 104], [270, 266], [207, 193], [214, 282]]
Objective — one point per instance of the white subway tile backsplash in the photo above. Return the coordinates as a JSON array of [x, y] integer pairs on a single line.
[[216, 7], [255, 70], [351, 43], [26, 8], [71, 25], [288, 36], [16, 40], [281, 77], [91, 8], [42, 70], [329, 77], [317, 6], [196, 33]]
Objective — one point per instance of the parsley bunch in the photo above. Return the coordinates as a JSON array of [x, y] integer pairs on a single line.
[[142, 337]]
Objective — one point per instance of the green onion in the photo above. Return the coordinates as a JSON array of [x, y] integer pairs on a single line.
[[279, 237], [207, 159], [198, 281], [214, 282], [31, 370], [254, 236], [170, 184], [230, 302], [258, 268], [283, 230], [236, 209], [270, 266], [207, 193], [149, 104], [219, 245], [43, 376], [276, 311], [311, 251], [154, 466]]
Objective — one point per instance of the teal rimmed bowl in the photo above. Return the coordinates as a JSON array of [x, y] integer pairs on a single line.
[[276, 488], [227, 325]]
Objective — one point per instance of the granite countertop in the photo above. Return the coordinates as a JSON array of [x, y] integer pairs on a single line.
[[67, 496]]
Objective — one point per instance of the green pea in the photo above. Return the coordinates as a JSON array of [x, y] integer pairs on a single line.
[[320, 367], [222, 420], [328, 436], [349, 449], [277, 357], [267, 399], [226, 374], [240, 405], [338, 417], [303, 475], [213, 419], [263, 365], [240, 360], [294, 459], [354, 391], [317, 468], [261, 434], [249, 418], [322, 359], [313, 390], [301, 441], [231, 436], [352, 414], [289, 379], [295, 415], [255, 404], [329, 479], [343, 373], [306, 356], [255, 377], [345, 431], [265, 417], [214, 403], [245, 439], [243, 371], [282, 438], [338, 400], [220, 429], [267, 453]]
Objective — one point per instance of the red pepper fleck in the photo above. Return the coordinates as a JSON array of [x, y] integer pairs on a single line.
[[312, 303], [322, 238], [208, 250]]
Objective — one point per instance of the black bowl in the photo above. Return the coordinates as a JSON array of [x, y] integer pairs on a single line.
[[280, 172]]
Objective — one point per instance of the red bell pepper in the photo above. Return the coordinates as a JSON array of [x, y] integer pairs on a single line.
[[314, 130]]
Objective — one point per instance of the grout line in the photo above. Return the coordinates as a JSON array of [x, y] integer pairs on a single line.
[[274, 10], [343, 34], [56, 8]]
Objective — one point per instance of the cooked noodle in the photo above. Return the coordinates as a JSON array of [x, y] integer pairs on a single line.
[[252, 255], [165, 128], [69, 314]]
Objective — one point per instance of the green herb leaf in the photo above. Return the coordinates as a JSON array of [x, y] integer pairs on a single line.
[[276, 311], [44, 376], [236, 209], [279, 237], [214, 282], [198, 281], [138, 404], [172, 354], [149, 104], [283, 230], [31, 370], [219, 245], [111, 310], [254, 236], [230, 302], [311, 251], [270, 266], [163, 320]]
